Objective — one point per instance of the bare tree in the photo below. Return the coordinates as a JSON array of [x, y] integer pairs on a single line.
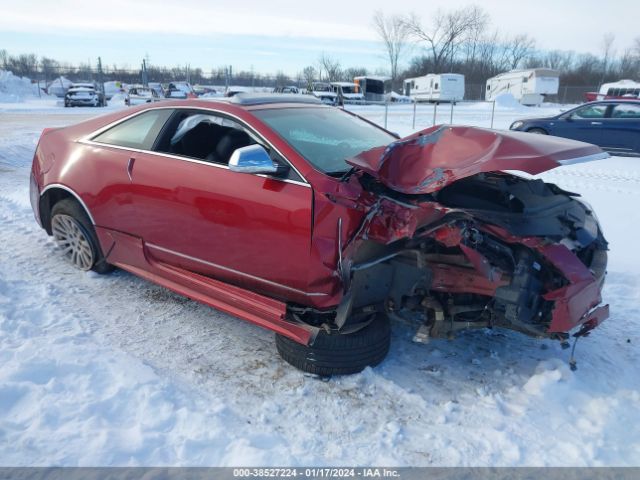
[[447, 32], [331, 66], [518, 49], [282, 79], [629, 64], [394, 33], [607, 53], [555, 59], [350, 73], [49, 67], [309, 75]]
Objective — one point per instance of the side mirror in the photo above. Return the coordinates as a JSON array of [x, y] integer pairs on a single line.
[[252, 159]]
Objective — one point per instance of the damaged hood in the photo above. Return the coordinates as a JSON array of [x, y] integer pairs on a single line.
[[433, 158]]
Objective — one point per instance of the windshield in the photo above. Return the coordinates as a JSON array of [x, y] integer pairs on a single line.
[[348, 89], [322, 87], [326, 137]]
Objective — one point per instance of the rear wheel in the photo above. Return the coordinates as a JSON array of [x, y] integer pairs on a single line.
[[537, 131], [339, 354], [75, 236]]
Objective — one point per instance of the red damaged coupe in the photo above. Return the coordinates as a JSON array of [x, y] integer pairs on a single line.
[[317, 224]]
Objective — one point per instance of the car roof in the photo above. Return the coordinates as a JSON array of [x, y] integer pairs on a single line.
[[236, 105], [619, 100], [268, 99]]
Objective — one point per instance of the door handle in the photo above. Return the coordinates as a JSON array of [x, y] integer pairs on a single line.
[[596, 123], [130, 163]]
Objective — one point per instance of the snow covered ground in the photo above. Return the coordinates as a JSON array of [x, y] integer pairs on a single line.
[[112, 370]]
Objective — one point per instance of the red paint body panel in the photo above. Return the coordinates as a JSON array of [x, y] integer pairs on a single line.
[[433, 158], [227, 221]]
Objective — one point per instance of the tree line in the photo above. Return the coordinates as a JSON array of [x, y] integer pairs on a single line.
[[464, 41]]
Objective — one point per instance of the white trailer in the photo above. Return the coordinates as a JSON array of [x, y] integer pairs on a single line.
[[443, 87], [529, 87], [374, 88]]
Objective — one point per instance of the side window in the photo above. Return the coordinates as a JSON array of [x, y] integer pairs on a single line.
[[626, 110], [591, 111], [139, 132], [203, 136], [211, 138]]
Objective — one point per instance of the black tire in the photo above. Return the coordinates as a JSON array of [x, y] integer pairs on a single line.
[[537, 131], [339, 354], [71, 208]]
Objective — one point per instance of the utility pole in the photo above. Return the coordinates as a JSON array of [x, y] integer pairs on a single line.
[[145, 78], [100, 79]]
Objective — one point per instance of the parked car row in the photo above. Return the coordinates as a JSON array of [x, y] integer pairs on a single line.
[[334, 93]]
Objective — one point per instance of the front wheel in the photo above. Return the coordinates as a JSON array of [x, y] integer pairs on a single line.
[[339, 354], [75, 236], [537, 131]]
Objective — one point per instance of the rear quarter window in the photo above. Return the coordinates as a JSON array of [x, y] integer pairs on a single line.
[[139, 132], [630, 111]]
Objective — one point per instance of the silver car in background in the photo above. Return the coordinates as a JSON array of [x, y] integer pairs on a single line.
[[84, 95], [138, 94]]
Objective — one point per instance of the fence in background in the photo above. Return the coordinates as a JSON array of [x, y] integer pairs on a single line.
[[410, 117]]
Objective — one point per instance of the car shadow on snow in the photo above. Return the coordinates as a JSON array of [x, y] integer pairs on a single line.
[[179, 335]]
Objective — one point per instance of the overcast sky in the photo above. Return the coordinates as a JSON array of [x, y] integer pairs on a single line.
[[279, 35]]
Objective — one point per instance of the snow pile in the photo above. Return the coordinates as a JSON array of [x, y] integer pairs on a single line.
[[15, 89], [506, 100], [396, 97], [117, 100], [59, 86]]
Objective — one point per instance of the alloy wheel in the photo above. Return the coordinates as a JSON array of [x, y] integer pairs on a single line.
[[72, 240]]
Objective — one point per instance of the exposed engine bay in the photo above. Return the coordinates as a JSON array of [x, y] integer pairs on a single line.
[[503, 251]]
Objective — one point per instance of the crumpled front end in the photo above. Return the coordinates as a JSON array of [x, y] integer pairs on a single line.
[[466, 246], [492, 251]]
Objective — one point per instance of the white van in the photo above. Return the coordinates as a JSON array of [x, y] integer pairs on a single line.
[[529, 87], [324, 92], [348, 92], [443, 87]]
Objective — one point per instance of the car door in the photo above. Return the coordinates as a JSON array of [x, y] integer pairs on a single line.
[[194, 213], [111, 150], [584, 123], [621, 128]]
